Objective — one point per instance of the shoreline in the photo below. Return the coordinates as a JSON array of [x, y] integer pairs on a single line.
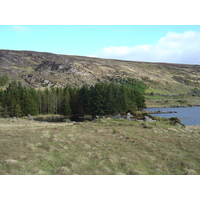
[[187, 114], [163, 106]]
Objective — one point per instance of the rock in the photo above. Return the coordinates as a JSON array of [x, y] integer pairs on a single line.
[[118, 116], [177, 124], [11, 162], [153, 93], [129, 116], [191, 172], [46, 81], [30, 117], [148, 119]]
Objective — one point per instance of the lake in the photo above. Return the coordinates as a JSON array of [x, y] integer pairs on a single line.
[[189, 116]]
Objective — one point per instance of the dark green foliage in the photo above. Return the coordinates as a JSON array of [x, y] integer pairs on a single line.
[[66, 110], [3, 79], [110, 102], [18, 101], [110, 98], [83, 96], [96, 100], [100, 99], [30, 103], [131, 83], [12, 99]]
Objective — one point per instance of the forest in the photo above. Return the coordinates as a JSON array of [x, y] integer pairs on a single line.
[[99, 99]]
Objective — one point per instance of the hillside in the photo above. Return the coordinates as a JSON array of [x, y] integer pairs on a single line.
[[39, 69]]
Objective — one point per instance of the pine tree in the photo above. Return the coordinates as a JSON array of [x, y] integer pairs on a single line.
[[96, 100], [66, 110], [83, 100], [18, 111], [110, 99], [140, 101], [54, 101], [60, 99], [73, 100], [122, 99], [30, 106]]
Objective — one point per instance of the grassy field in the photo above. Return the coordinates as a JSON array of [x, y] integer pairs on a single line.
[[176, 101], [108, 146]]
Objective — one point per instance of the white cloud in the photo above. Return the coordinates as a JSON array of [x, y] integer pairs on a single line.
[[172, 48]]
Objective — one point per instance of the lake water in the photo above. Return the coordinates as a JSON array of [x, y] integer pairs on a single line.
[[189, 116]]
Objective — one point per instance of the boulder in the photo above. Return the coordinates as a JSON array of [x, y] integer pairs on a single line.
[[129, 116], [148, 119], [30, 117], [177, 124], [118, 116]]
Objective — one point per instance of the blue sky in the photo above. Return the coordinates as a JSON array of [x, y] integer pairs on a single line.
[[154, 43]]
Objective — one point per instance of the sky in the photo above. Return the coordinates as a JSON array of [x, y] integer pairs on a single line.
[[151, 43]]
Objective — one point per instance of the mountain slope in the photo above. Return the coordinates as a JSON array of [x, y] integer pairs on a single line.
[[39, 69]]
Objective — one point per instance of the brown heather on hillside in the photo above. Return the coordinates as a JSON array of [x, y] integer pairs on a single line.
[[39, 69]]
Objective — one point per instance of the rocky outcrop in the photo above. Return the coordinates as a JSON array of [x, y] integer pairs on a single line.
[[134, 117], [47, 65]]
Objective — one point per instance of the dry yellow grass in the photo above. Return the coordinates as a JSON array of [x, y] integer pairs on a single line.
[[105, 147]]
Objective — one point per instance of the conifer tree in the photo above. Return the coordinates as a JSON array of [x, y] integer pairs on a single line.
[[73, 100], [18, 111], [30, 106], [122, 99], [110, 99], [54, 101], [59, 96], [83, 100], [66, 110], [96, 100]]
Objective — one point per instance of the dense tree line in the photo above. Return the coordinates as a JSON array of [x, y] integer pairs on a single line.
[[100, 99]]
